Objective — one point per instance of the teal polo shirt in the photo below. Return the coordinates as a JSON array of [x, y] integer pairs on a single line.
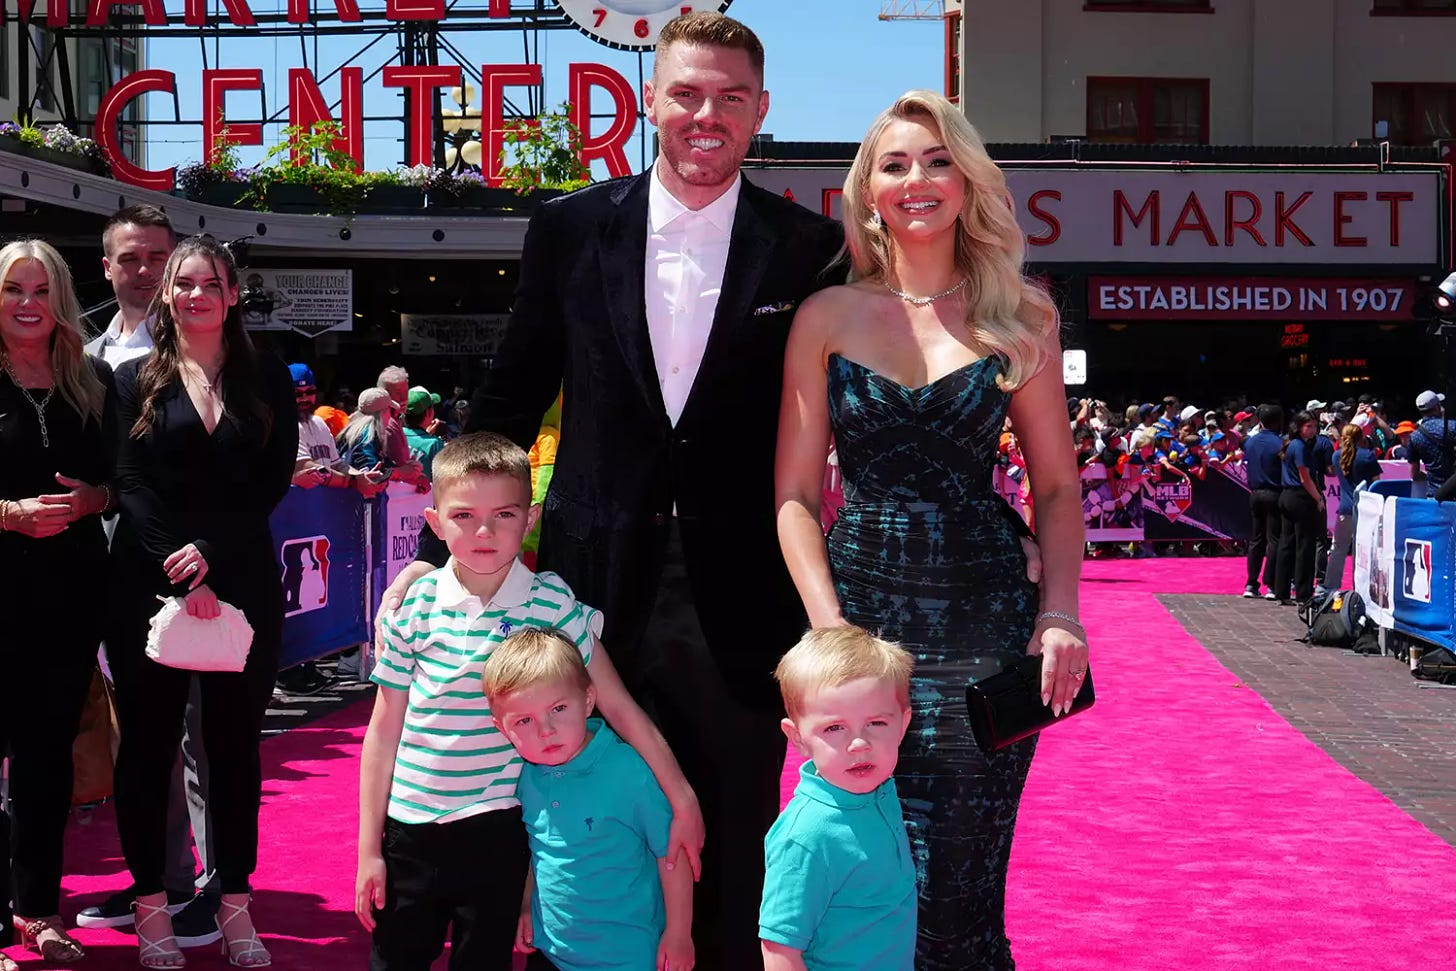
[[839, 884], [597, 825]]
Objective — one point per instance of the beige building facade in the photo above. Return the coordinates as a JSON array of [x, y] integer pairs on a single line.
[[1223, 72]]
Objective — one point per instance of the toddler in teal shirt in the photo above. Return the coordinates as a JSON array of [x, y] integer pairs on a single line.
[[602, 894], [839, 884]]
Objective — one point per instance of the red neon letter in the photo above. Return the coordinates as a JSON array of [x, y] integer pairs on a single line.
[[57, 12], [306, 107], [608, 145], [1249, 225], [1341, 219], [1284, 219], [1392, 202], [500, 8], [100, 11], [1121, 207], [1054, 225], [420, 84], [494, 79], [129, 87], [415, 10], [299, 12], [194, 14], [216, 82], [1193, 217]]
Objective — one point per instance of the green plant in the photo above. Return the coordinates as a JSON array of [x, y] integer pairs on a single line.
[[310, 157], [543, 153], [221, 165]]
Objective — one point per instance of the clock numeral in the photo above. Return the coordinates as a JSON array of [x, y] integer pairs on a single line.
[[686, 9], [601, 14], [642, 28]]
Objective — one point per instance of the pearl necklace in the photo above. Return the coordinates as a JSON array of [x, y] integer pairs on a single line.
[[39, 406], [926, 301]]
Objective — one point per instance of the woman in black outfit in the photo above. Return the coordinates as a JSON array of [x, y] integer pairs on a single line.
[[207, 447], [1302, 508], [57, 439]]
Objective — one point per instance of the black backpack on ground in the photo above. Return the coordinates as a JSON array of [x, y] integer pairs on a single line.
[[1335, 618]]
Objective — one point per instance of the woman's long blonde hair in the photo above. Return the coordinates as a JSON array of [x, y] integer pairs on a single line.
[[76, 380], [1007, 314]]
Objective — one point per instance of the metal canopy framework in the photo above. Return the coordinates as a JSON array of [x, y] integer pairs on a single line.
[[43, 61], [912, 10]]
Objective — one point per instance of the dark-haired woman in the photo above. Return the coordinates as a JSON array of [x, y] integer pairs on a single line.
[[1302, 509], [57, 440], [207, 447]]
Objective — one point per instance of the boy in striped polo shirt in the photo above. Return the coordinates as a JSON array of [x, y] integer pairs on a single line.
[[441, 840]]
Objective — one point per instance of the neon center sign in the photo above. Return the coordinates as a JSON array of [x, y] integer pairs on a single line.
[[625, 24]]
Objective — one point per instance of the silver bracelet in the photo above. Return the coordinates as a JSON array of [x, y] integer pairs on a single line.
[[1059, 615]]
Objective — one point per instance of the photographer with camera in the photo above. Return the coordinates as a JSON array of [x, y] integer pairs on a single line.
[[318, 462]]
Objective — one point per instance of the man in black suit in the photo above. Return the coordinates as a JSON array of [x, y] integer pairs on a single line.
[[663, 301]]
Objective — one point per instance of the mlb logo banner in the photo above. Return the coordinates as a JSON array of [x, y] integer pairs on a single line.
[[305, 574], [319, 535], [1416, 583]]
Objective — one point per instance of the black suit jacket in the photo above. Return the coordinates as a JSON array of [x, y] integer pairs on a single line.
[[580, 319]]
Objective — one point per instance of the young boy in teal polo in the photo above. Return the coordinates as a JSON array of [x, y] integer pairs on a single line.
[[839, 884], [604, 893]]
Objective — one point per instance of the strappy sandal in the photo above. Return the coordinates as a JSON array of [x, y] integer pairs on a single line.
[[161, 953], [57, 948], [247, 952]]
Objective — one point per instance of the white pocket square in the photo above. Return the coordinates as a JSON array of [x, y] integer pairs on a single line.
[[774, 308]]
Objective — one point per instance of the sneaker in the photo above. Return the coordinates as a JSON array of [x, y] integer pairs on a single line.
[[1269, 595], [306, 679], [349, 664], [1251, 591], [115, 911], [196, 924]]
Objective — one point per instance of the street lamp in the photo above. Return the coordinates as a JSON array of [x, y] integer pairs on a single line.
[[462, 126]]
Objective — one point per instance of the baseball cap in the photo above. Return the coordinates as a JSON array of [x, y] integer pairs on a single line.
[[1243, 416], [1146, 410], [1188, 412], [1216, 437], [420, 399], [302, 375], [333, 417], [1428, 400], [1405, 428], [1314, 404], [1361, 420], [1339, 406], [373, 401]]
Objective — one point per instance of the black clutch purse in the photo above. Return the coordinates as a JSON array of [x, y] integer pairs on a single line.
[[1006, 707]]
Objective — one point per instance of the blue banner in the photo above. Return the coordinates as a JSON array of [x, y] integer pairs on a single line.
[[1424, 568], [321, 553]]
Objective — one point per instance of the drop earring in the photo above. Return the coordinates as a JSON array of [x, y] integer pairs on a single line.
[[879, 221]]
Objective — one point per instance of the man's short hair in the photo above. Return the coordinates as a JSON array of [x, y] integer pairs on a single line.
[[533, 656], [394, 374], [827, 657], [481, 453], [142, 215], [705, 28], [1271, 417]]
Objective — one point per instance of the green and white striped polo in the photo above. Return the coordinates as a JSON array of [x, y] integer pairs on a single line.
[[452, 761]]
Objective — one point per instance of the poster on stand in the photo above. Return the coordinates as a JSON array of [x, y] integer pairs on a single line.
[[404, 517], [471, 335], [308, 302]]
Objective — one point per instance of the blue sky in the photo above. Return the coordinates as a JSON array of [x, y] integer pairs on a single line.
[[831, 66]]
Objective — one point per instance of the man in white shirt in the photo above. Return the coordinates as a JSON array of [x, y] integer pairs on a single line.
[[137, 241]]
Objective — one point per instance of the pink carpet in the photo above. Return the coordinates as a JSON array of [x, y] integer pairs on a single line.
[[1181, 824]]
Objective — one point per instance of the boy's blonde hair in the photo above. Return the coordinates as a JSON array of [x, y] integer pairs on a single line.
[[532, 656], [480, 453], [827, 657]]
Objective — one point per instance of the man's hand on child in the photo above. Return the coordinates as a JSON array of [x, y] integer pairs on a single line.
[[369, 890], [524, 935], [675, 951], [686, 834]]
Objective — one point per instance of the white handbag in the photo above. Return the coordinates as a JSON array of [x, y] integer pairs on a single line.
[[179, 640]]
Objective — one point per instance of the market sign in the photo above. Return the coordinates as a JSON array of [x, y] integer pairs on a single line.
[[474, 335], [1087, 214], [308, 104], [309, 302], [1248, 298]]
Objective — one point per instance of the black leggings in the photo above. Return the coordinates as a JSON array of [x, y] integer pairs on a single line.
[[1302, 528], [151, 700]]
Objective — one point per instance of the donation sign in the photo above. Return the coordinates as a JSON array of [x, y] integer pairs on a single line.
[[309, 302], [474, 335]]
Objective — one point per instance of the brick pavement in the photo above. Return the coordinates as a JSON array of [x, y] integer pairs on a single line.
[[1366, 711]]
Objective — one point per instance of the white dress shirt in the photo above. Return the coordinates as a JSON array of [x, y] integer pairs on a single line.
[[687, 254], [114, 349]]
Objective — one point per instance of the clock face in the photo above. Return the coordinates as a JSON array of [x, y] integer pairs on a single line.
[[630, 25]]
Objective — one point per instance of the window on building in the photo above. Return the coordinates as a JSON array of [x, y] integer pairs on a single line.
[[42, 54], [5, 58], [1413, 6], [1155, 6], [1147, 111], [1415, 114]]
